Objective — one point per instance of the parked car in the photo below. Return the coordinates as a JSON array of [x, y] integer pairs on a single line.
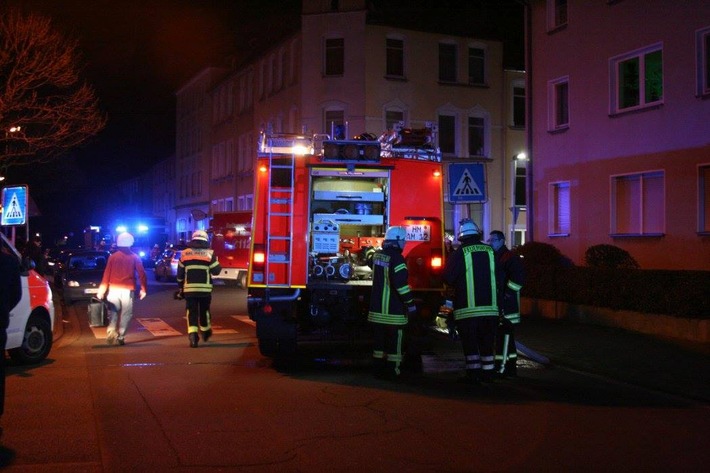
[[166, 266], [29, 333], [80, 274]]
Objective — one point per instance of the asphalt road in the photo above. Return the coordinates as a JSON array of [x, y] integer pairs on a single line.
[[157, 405]]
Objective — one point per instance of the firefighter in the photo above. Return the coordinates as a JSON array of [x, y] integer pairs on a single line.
[[509, 273], [391, 304], [196, 267], [470, 270]]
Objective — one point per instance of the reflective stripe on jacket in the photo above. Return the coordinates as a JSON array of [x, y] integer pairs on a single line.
[[471, 270], [391, 293], [195, 270]]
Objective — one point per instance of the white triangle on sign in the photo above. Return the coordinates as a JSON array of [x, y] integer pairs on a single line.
[[466, 185], [13, 210]]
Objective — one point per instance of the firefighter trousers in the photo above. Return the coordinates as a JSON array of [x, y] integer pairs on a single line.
[[477, 340], [198, 313], [387, 348]]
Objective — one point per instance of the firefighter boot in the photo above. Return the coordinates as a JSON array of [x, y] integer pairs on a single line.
[[206, 334], [193, 339]]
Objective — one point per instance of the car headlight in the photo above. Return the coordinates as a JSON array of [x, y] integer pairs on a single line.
[[73, 283]]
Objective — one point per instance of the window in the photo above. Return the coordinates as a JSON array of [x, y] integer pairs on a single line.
[[556, 14], [558, 106], [395, 57], [476, 66], [334, 124], [636, 79], [447, 62], [520, 198], [447, 134], [702, 46], [334, 56], [476, 136], [704, 198], [638, 204], [518, 105], [392, 117], [559, 203]]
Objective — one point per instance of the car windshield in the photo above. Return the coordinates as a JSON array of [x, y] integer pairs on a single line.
[[87, 262]]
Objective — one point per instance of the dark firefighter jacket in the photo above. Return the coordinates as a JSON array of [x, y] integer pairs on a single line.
[[471, 270], [509, 269], [195, 270], [390, 292]]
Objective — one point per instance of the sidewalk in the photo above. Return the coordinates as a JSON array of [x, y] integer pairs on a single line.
[[668, 366]]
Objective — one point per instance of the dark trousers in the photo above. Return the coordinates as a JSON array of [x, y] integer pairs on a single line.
[[506, 352], [198, 313], [478, 339], [387, 346]]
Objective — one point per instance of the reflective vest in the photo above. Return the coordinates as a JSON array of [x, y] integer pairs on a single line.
[[471, 270], [195, 270], [391, 293]]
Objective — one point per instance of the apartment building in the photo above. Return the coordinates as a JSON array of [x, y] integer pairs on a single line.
[[620, 128], [340, 72]]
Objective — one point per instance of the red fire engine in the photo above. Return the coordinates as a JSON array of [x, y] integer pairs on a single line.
[[321, 209], [231, 237]]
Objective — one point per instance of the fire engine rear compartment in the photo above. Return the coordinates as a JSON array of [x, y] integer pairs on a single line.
[[318, 224]]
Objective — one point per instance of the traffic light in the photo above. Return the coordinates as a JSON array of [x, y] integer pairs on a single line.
[[358, 151]]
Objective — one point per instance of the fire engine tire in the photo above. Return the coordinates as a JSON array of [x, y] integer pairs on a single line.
[[242, 280], [37, 342], [273, 347], [268, 346]]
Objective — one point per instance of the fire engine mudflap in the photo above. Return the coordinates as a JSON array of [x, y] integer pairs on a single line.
[[321, 209]]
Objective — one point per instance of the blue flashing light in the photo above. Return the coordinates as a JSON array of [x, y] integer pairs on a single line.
[[121, 229], [142, 228]]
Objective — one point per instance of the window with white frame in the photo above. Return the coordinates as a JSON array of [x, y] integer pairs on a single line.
[[447, 134], [702, 46], [518, 114], [556, 14], [476, 65], [638, 204], [476, 136], [559, 208], [558, 104], [447, 62], [392, 117], [334, 61], [704, 198], [334, 123], [636, 79], [395, 57], [520, 185]]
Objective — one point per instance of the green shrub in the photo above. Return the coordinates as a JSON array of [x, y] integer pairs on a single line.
[[610, 257]]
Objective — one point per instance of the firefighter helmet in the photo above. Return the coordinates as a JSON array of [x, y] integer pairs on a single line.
[[396, 236], [124, 240], [199, 235], [468, 228]]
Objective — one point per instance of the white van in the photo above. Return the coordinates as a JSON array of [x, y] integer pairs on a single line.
[[29, 335]]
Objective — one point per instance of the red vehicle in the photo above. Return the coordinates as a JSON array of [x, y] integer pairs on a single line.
[[231, 237], [321, 210]]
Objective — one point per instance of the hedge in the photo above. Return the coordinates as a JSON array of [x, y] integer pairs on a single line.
[[677, 293]]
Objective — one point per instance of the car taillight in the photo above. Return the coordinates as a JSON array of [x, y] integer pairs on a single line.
[[436, 261], [259, 257]]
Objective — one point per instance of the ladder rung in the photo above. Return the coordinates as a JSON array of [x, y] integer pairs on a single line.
[[280, 214], [278, 258], [281, 166], [284, 190], [280, 201], [279, 237]]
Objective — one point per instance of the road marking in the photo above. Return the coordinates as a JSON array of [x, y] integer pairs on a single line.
[[244, 319], [219, 329], [158, 327]]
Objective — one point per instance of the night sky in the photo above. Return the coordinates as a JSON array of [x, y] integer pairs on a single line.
[[138, 53]]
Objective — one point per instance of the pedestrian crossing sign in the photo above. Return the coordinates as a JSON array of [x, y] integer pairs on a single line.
[[467, 183], [14, 205]]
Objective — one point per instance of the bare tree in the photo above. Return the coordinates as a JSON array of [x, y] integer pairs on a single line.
[[45, 108]]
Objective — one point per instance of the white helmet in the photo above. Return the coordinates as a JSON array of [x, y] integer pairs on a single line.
[[396, 235], [199, 235], [124, 240], [468, 228]]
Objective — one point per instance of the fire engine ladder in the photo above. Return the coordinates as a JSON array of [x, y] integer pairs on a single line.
[[279, 225]]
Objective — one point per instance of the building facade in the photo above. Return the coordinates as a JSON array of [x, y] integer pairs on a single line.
[[340, 72], [620, 128]]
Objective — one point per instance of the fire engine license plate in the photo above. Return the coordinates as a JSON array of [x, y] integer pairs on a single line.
[[418, 233], [91, 291]]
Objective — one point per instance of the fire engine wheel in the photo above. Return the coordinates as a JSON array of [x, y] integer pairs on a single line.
[[36, 343], [242, 280]]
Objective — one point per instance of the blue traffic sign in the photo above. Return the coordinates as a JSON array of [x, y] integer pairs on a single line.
[[14, 205], [467, 183]]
